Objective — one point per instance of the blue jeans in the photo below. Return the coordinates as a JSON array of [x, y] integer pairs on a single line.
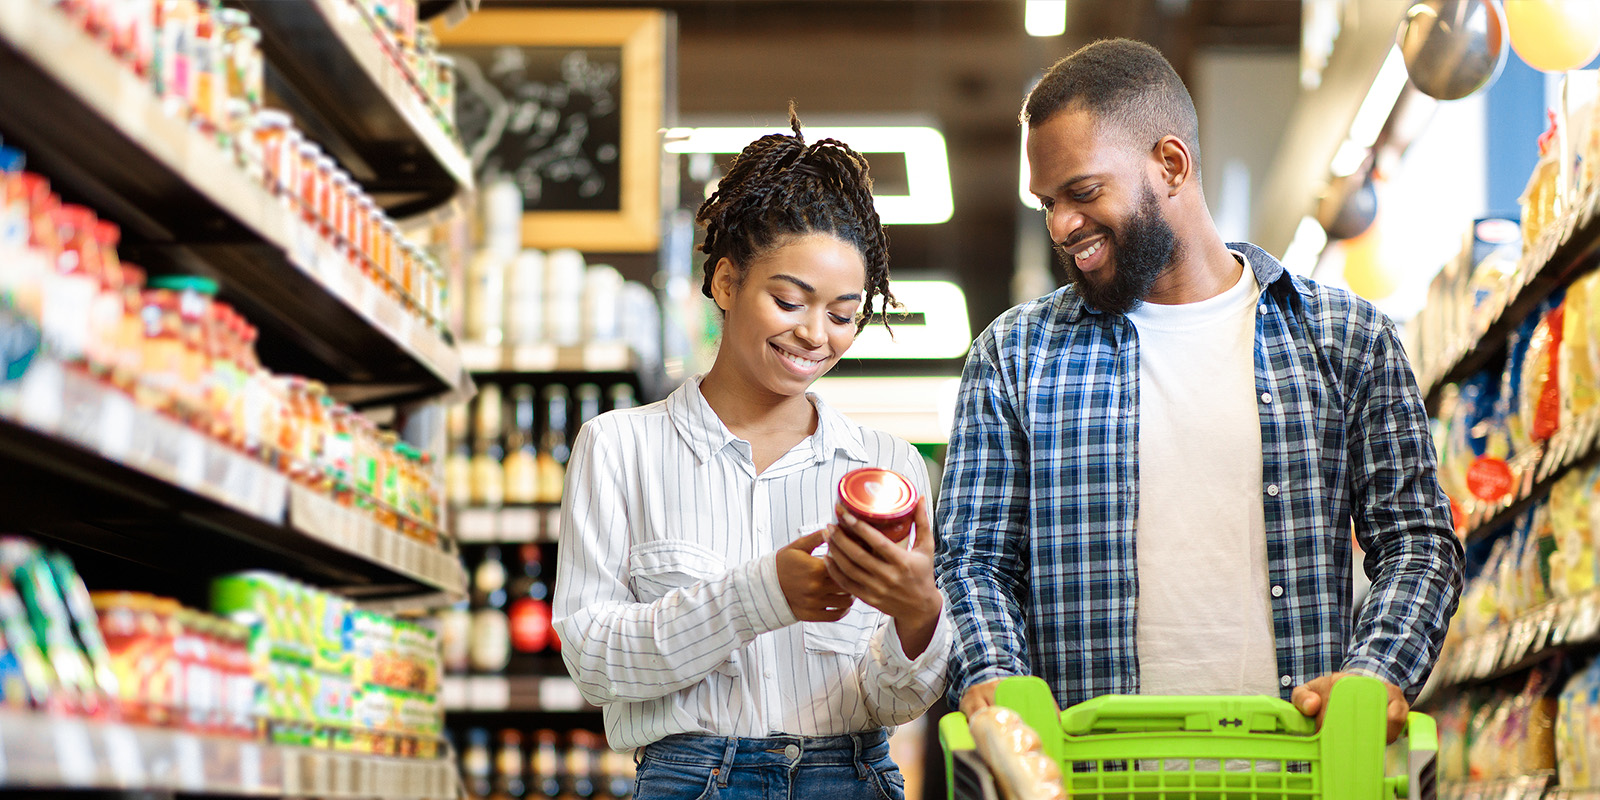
[[854, 766]]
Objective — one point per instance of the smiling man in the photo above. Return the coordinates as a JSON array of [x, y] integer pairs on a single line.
[[1154, 471]]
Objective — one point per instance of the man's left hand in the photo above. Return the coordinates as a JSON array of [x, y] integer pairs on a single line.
[[1312, 700]]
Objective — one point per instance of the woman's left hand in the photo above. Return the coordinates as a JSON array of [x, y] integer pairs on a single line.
[[887, 576]]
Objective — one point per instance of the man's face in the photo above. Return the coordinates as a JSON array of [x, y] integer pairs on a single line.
[[1103, 213]]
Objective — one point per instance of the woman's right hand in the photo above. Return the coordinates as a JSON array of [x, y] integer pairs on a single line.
[[813, 596]]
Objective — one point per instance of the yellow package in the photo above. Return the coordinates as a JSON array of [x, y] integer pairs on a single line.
[[1572, 565]]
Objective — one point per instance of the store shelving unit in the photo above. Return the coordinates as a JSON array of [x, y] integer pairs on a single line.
[[514, 693], [508, 524], [611, 358], [117, 483], [374, 117], [39, 751], [1567, 251], [81, 460], [1522, 787], [99, 132]]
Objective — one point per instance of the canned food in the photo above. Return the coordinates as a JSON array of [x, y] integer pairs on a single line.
[[882, 498]]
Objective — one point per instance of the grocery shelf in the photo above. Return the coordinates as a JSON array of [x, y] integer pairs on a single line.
[[594, 357], [39, 751], [1569, 248], [98, 132], [373, 118], [508, 524], [1531, 638], [520, 693], [81, 462], [1536, 470], [1522, 787]]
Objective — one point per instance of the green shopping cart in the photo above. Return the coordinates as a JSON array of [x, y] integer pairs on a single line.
[[1210, 748]]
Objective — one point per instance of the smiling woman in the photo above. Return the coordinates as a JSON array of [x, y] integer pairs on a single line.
[[692, 601]]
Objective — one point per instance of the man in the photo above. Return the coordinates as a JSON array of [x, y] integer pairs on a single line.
[[1154, 470]]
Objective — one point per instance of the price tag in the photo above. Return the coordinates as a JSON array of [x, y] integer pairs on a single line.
[[191, 764], [75, 761], [250, 767], [519, 524], [489, 694], [122, 748], [40, 399], [453, 693], [552, 525], [559, 694], [191, 466]]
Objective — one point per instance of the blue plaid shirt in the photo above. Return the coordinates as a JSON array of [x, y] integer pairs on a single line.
[[1041, 495]]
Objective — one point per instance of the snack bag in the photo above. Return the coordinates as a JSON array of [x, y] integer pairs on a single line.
[[1572, 568], [1540, 400], [1580, 381]]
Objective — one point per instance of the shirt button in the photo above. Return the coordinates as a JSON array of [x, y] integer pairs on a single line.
[[768, 673], [1262, 309], [792, 751], [1266, 397], [1277, 591], [1286, 681], [1273, 490]]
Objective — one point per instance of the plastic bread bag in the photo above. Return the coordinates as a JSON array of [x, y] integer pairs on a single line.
[[1012, 751]]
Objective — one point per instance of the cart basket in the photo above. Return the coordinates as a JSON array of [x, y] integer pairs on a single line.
[[1138, 747]]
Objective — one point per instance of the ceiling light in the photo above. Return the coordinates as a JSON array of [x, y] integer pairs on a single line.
[[1349, 159], [1305, 250], [1380, 100], [927, 200], [1046, 17], [934, 325]]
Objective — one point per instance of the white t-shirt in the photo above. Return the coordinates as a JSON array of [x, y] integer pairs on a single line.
[[1205, 618]]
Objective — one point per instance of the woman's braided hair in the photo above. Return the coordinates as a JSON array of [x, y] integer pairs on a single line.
[[779, 187]]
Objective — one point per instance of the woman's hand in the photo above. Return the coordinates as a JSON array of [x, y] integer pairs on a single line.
[[890, 578], [813, 596]]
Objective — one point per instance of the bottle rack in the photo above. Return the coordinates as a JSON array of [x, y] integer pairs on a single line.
[[39, 751]]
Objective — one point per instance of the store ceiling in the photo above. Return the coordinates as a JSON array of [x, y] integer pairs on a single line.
[[964, 64]]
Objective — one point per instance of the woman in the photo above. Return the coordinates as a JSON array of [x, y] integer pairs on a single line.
[[688, 599]]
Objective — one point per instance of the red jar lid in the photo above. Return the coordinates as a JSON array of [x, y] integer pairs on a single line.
[[877, 494]]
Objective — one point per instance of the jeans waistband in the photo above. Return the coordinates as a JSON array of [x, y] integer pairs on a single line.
[[730, 751]]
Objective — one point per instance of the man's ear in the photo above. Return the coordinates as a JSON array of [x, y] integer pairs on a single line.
[[1173, 162], [723, 283]]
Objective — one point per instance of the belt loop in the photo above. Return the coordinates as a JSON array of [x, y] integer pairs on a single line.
[[728, 753], [863, 771]]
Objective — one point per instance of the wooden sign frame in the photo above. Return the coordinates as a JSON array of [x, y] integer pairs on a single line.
[[641, 35]]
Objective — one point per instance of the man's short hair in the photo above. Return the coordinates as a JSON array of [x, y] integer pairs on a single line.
[[1126, 85]]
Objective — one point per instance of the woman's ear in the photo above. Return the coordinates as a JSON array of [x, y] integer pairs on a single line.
[[723, 283]]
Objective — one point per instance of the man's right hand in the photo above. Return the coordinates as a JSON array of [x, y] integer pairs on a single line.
[[812, 594], [979, 696]]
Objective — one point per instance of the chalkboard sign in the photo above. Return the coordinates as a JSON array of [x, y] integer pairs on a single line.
[[569, 104], [548, 117]]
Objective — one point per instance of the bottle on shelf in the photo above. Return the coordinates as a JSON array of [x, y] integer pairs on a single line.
[[588, 396], [488, 474], [553, 449], [490, 647], [525, 298], [508, 780], [617, 770], [530, 606], [544, 765], [476, 766], [622, 396], [458, 464], [578, 767], [522, 463]]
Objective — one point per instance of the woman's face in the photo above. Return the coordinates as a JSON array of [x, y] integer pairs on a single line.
[[794, 315]]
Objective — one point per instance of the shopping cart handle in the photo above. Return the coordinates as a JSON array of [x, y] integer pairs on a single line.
[[1134, 713]]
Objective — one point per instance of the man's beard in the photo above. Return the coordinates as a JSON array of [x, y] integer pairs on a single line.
[[1141, 252]]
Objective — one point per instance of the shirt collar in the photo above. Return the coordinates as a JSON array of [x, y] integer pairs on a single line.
[[1267, 269], [705, 434]]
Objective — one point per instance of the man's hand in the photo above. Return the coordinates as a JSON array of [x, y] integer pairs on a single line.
[[812, 595], [1312, 700], [979, 696]]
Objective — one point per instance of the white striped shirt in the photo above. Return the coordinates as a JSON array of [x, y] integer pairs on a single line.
[[667, 598]]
